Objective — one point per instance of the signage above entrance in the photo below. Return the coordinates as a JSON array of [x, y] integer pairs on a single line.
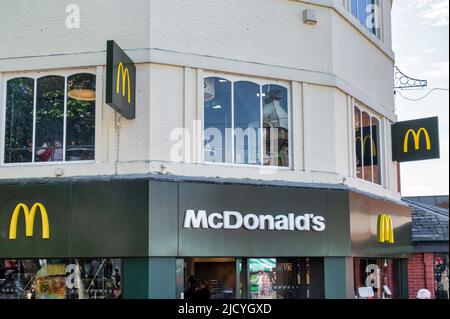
[[415, 140], [120, 81], [236, 220]]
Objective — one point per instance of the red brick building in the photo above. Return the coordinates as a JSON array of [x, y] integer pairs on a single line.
[[428, 266]]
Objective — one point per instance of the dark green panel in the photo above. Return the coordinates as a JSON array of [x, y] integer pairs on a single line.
[[258, 200], [135, 278], [162, 278], [406, 134], [337, 277], [339, 243], [163, 219], [56, 200], [109, 219], [401, 278]]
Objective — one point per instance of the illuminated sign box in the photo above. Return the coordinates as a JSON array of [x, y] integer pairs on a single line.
[[120, 81], [415, 140]]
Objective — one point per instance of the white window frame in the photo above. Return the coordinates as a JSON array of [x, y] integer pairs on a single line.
[[35, 76], [381, 144], [260, 81]]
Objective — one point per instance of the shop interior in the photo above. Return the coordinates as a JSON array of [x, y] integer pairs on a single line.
[[254, 278]]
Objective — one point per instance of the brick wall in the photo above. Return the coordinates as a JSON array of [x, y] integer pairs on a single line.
[[420, 274]]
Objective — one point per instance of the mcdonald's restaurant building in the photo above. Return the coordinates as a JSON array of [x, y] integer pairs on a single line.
[[287, 183], [144, 238]]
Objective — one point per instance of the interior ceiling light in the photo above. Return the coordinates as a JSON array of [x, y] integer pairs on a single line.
[[82, 94]]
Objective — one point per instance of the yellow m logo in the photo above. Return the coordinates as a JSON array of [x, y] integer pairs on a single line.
[[416, 136], [385, 229], [123, 71], [372, 144], [29, 220]]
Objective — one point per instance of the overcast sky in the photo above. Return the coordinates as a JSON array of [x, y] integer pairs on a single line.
[[420, 42]]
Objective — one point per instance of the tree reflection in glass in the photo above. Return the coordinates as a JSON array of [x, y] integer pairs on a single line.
[[19, 120], [49, 119], [80, 125]]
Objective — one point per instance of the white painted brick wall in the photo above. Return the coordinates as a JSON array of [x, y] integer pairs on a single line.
[[254, 37]]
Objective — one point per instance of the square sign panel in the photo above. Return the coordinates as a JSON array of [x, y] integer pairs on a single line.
[[120, 81], [415, 140]]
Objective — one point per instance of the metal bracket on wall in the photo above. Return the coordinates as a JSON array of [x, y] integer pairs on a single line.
[[402, 81]]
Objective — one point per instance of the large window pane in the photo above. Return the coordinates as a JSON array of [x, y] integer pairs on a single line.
[[359, 143], [368, 14], [77, 278], [376, 151], [276, 125], [19, 120], [217, 124], [80, 125], [368, 146], [49, 119], [247, 122]]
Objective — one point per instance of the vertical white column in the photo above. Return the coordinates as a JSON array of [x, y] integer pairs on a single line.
[[100, 153], [296, 134], [197, 150], [351, 137], [306, 127]]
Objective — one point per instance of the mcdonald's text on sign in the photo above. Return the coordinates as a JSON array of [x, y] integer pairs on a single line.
[[385, 229], [29, 216], [416, 140], [120, 81]]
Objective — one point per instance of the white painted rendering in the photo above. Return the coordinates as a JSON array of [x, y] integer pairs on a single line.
[[176, 42]]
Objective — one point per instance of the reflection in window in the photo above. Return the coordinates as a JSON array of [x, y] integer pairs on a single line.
[[441, 263], [19, 120], [43, 140], [367, 148], [49, 119], [80, 138], [368, 13], [245, 123], [377, 274], [85, 278], [376, 150], [217, 112], [276, 125], [282, 278]]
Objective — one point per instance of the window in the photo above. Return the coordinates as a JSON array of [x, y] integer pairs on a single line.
[[367, 147], [441, 275], [368, 13], [78, 278], [377, 275], [50, 119], [245, 122]]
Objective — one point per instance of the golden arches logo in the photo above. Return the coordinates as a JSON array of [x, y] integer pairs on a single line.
[[29, 220], [125, 74], [416, 137], [385, 229], [372, 143]]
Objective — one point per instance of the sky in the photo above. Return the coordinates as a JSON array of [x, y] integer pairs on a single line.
[[420, 41]]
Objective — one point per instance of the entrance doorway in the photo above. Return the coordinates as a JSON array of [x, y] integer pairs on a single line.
[[219, 273]]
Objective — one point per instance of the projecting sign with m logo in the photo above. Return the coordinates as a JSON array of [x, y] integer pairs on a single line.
[[415, 140], [120, 81]]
